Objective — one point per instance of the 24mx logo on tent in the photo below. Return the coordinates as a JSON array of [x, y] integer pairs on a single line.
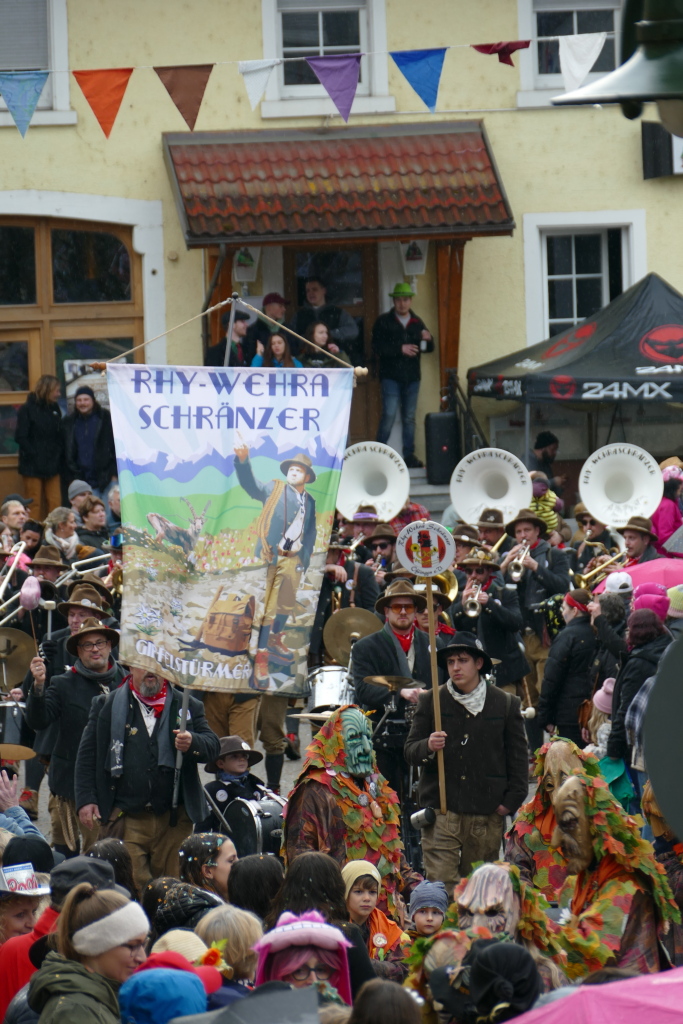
[[663, 344], [623, 390]]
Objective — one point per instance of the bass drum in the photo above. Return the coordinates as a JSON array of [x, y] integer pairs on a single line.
[[256, 826]]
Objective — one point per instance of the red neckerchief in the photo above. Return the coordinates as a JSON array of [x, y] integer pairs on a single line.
[[155, 703], [630, 562], [441, 627], [535, 544], [405, 639], [485, 586]]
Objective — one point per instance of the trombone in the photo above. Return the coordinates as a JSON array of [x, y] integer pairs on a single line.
[[516, 567], [76, 569]]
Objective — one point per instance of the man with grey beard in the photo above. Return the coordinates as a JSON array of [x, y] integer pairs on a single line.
[[125, 770]]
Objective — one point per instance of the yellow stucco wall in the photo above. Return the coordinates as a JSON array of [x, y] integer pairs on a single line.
[[548, 159]]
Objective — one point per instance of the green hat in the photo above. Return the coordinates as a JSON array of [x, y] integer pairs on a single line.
[[402, 291]]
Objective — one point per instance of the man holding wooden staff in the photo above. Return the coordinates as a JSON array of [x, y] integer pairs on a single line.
[[485, 753]]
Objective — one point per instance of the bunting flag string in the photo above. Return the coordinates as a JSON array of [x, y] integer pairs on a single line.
[[504, 50], [578, 54], [256, 74], [21, 91], [186, 84], [422, 70], [104, 91], [338, 75]]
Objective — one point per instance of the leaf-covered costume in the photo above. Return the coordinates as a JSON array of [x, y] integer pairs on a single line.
[[622, 905], [527, 842], [418, 977], [332, 812]]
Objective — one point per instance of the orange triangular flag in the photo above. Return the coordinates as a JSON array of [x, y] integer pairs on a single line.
[[185, 85], [104, 92]]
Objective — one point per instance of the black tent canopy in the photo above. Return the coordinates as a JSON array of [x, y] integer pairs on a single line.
[[632, 350]]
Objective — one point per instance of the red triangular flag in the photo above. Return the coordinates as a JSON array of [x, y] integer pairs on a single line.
[[104, 92], [185, 85]]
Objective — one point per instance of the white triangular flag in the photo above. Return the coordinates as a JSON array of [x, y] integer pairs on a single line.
[[256, 74], [578, 54]]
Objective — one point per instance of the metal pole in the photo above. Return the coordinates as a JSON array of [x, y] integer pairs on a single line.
[[527, 428], [179, 754], [231, 324], [435, 693]]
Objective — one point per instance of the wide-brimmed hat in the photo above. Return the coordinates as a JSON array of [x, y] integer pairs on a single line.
[[86, 597], [641, 525], [337, 543], [382, 531], [465, 534], [400, 588], [91, 580], [366, 514], [49, 556], [464, 641], [480, 557], [399, 574], [18, 497], [302, 460], [525, 515], [402, 290], [91, 626], [234, 745], [491, 519], [437, 595]]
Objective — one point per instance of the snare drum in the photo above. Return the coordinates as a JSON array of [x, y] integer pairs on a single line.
[[256, 825], [330, 687], [11, 717]]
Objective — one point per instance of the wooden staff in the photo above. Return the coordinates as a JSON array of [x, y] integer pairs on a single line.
[[435, 691]]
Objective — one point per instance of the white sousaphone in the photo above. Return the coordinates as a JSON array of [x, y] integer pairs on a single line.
[[619, 481], [490, 478], [373, 474]]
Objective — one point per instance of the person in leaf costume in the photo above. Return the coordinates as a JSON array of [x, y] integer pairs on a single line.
[[528, 841], [342, 806], [435, 953], [621, 905]]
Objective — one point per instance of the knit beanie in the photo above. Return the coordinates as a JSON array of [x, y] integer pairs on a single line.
[[654, 596], [85, 390], [675, 595], [429, 894]]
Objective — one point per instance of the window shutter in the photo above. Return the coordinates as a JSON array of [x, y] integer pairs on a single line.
[[24, 35]]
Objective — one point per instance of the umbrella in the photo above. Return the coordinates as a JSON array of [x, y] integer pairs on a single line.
[[668, 571], [650, 997]]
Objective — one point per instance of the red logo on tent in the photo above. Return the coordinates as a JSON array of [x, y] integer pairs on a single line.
[[663, 344], [572, 341], [562, 387]]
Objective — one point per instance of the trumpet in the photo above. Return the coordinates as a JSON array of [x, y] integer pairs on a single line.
[[355, 543], [471, 607], [616, 561], [516, 567]]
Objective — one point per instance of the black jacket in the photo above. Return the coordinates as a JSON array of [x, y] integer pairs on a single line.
[[105, 453], [649, 555], [223, 793], [610, 637], [365, 593], [94, 538], [566, 679], [94, 783], [388, 337], [638, 666], [66, 702], [551, 577], [39, 436], [498, 626], [485, 756]]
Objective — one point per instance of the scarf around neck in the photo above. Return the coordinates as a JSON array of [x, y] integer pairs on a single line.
[[231, 777], [119, 717], [472, 702], [102, 678], [67, 545], [405, 639], [156, 703]]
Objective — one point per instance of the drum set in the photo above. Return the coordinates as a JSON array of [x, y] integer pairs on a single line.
[[16, 651]]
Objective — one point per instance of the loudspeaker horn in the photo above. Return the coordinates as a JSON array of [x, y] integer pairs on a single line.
[[490, 478], [619, 481], [373, 474]]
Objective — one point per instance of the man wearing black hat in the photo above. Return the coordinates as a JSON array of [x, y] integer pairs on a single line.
[[541, 458], [66, 702], [491, 527], [259, 333], [241, 354], [485, 757]]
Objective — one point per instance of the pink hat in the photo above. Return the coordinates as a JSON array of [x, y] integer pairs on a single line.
[[672, 473], [602, 698], [310, 929], [653, 596]]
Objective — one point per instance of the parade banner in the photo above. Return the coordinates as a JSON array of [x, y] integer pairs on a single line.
[[229, 483]]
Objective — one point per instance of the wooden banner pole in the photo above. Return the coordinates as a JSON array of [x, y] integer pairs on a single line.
[[435, 692]]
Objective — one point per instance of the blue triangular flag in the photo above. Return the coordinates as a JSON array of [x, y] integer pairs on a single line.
[[21, 91], [422, 69]]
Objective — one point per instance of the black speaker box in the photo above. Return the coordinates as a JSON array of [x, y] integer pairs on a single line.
[[444, 449]]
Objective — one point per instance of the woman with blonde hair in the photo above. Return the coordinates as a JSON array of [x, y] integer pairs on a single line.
[[101, 938], [41, 445], [234, 932]]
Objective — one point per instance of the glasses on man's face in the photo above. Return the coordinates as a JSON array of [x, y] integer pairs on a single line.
[[96, 645], [381, 546], [477, 570], [402, 607], [133, 947], [303, 973], [590, 522]]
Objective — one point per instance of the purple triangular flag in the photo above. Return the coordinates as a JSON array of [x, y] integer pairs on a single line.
[[21, 91], [339, 76]]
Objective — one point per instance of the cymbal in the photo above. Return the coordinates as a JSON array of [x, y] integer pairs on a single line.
[[340, 626], [16, 651], [15, 752], [393, 682]]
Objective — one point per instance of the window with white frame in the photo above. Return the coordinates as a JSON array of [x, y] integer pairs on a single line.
[[583, 273], [544, 21], [577, 262], [296, 29], [33, 37]]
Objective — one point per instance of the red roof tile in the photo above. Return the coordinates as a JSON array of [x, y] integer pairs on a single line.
[[438, 180]]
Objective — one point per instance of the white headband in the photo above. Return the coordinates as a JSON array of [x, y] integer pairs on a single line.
[[113, 930]]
